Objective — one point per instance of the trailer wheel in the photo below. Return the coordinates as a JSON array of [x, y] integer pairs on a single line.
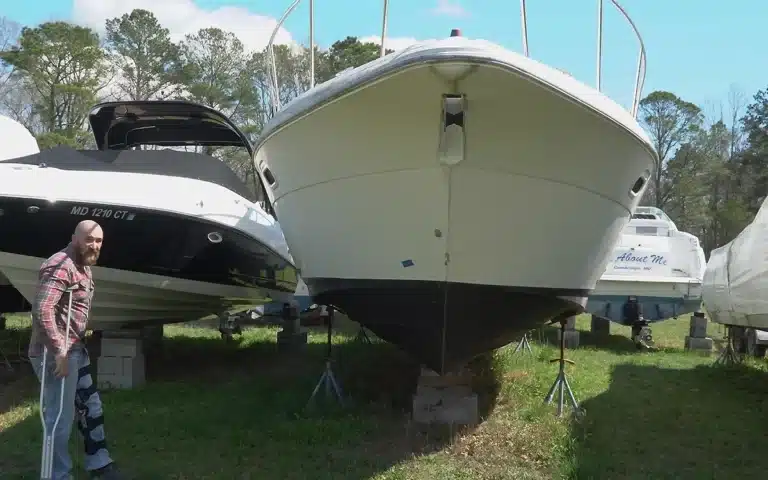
[[754, 349]]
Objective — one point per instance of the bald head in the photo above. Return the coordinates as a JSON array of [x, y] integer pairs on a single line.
[[87, 240]]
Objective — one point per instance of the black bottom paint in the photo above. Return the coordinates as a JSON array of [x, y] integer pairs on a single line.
[[146, 241], [444, 325]]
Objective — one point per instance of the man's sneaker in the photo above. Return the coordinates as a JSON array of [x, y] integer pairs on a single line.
[[107, 472]]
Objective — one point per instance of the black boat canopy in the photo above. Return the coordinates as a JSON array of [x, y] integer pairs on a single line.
[[126, 124]]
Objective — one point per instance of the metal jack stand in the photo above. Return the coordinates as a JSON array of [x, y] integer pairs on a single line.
[[328, 378], [3, 356], [523, 345], [561, 382], [729, 356], [362, 336], [6, 361]]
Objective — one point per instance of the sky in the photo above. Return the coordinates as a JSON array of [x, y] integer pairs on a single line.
[[697, 49]]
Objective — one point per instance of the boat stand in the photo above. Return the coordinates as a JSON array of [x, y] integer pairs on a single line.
[[6, 360], [729, 356], [362, 336], [523, 345], [328, 378], [3, 356], [229, 325], [561, 382]]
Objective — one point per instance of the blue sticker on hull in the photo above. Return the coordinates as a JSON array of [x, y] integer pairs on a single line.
[[407, 263]]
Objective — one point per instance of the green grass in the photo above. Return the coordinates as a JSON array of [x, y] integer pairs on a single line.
[[216, 411]]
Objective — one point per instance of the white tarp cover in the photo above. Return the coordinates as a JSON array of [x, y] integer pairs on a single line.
[[736, 279], [15, 140]]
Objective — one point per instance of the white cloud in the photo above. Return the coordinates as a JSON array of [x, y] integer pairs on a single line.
[[450, 8], [183, 17], [393, 43]]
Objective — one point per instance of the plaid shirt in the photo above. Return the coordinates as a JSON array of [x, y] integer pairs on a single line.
[[49, 314]]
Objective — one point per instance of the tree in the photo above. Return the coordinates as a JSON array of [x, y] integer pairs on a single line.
[[9, 32], [13, 100], [345, 54], [671, 122], [147, 61], [216, 75], [215, 69], [754, 159], [62, 68], [292, 70], [698, 181]]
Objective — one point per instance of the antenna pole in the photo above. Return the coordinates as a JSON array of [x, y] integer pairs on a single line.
[[524, 25], [311, 43], [599, 42], [384, 28]]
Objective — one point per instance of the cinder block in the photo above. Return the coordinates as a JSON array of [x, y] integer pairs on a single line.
[[134, 368], [698, 327], [600, 326], [291, 341], [121, 347], [461, 390], [115, 382], [127, 333], [109, 366], [430, 378], [121, 372], [445, 406], [571, 338], [703, 345]]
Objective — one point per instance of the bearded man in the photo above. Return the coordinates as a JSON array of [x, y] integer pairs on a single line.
[[65, 273]]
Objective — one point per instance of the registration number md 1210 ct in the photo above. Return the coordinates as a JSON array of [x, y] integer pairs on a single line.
[[99, 212]]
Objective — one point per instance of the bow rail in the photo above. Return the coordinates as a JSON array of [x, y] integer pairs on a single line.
[[639, 77]]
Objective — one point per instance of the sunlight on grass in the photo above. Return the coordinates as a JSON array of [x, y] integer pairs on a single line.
[[217, 411], [18, 414]]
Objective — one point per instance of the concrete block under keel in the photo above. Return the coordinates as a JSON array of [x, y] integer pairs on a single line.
[[571, 334], [292, 337], [120, 362], [445, 399], [600, 327]]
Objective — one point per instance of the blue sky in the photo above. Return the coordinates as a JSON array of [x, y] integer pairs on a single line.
[[696, 48]]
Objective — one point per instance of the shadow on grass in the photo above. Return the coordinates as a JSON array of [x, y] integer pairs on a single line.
[[212, 410], [17, 383], [616, 343], [705, 422]]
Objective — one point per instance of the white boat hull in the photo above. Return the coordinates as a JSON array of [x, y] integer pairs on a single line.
[[126, 299], [370, 198], [658, 265]]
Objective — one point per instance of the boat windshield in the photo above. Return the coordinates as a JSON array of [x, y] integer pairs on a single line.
[[206, 139], [650, 213], [168, 162]]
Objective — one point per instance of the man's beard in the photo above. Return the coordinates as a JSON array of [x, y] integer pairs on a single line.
[[88, 257]]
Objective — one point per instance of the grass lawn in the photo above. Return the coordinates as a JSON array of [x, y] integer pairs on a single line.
[[216, 411]]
